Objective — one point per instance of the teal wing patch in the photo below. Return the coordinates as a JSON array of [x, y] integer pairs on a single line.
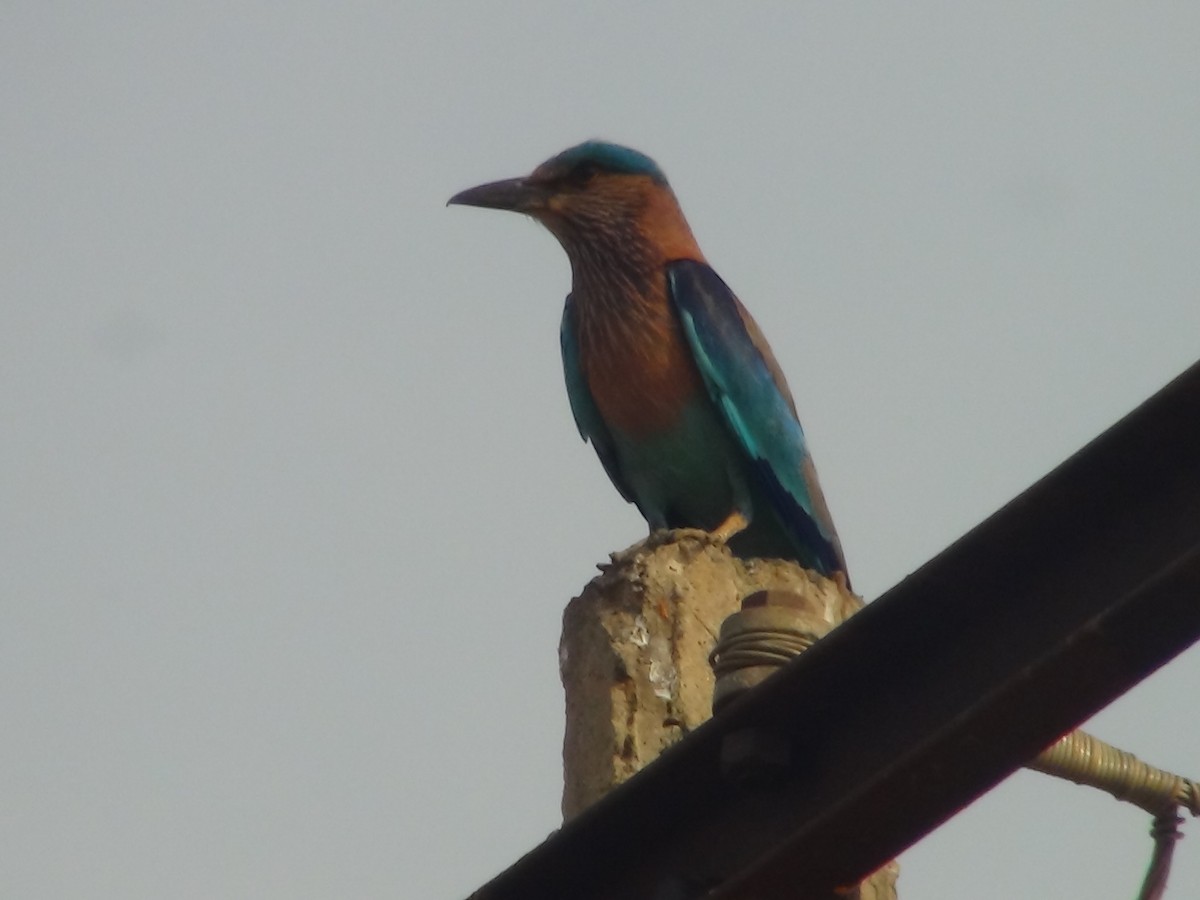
[[744, 382]]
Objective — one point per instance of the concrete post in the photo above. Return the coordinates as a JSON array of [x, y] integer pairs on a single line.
[[634, 656]]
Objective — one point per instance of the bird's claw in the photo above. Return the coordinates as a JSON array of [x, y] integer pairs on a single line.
[[689, 534], [660, 536]]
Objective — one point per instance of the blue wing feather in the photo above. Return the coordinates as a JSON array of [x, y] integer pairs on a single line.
[[745, 383], [583, 407]]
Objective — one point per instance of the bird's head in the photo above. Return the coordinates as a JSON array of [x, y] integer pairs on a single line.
[[589, 193]]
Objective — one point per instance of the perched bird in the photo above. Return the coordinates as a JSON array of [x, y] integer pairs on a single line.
[[668, 375]]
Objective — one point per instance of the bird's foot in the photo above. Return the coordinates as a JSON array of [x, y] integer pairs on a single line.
[[718, 537], [734, 523], [657, 538], [670, 535]]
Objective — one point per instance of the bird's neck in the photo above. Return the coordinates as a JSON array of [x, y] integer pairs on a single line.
[[662, 224], [632, 349], [625, 254]]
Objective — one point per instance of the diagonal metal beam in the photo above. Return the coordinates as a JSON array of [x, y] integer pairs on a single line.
[[1040, 616]]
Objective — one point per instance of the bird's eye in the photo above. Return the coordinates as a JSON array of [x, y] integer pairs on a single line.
[[583, 173]]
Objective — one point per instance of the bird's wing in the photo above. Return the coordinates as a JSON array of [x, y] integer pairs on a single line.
[[745, 382], [587, 417]]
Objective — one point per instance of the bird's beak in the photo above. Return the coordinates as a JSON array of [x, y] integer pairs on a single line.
[[516, 194]]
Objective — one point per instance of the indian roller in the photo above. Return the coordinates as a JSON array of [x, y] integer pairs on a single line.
[[667, 374]]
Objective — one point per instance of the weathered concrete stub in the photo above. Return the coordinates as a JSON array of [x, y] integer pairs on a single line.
[[635, 646], [634, 655]]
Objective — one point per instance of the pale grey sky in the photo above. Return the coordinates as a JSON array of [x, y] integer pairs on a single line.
[[290, 496]]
